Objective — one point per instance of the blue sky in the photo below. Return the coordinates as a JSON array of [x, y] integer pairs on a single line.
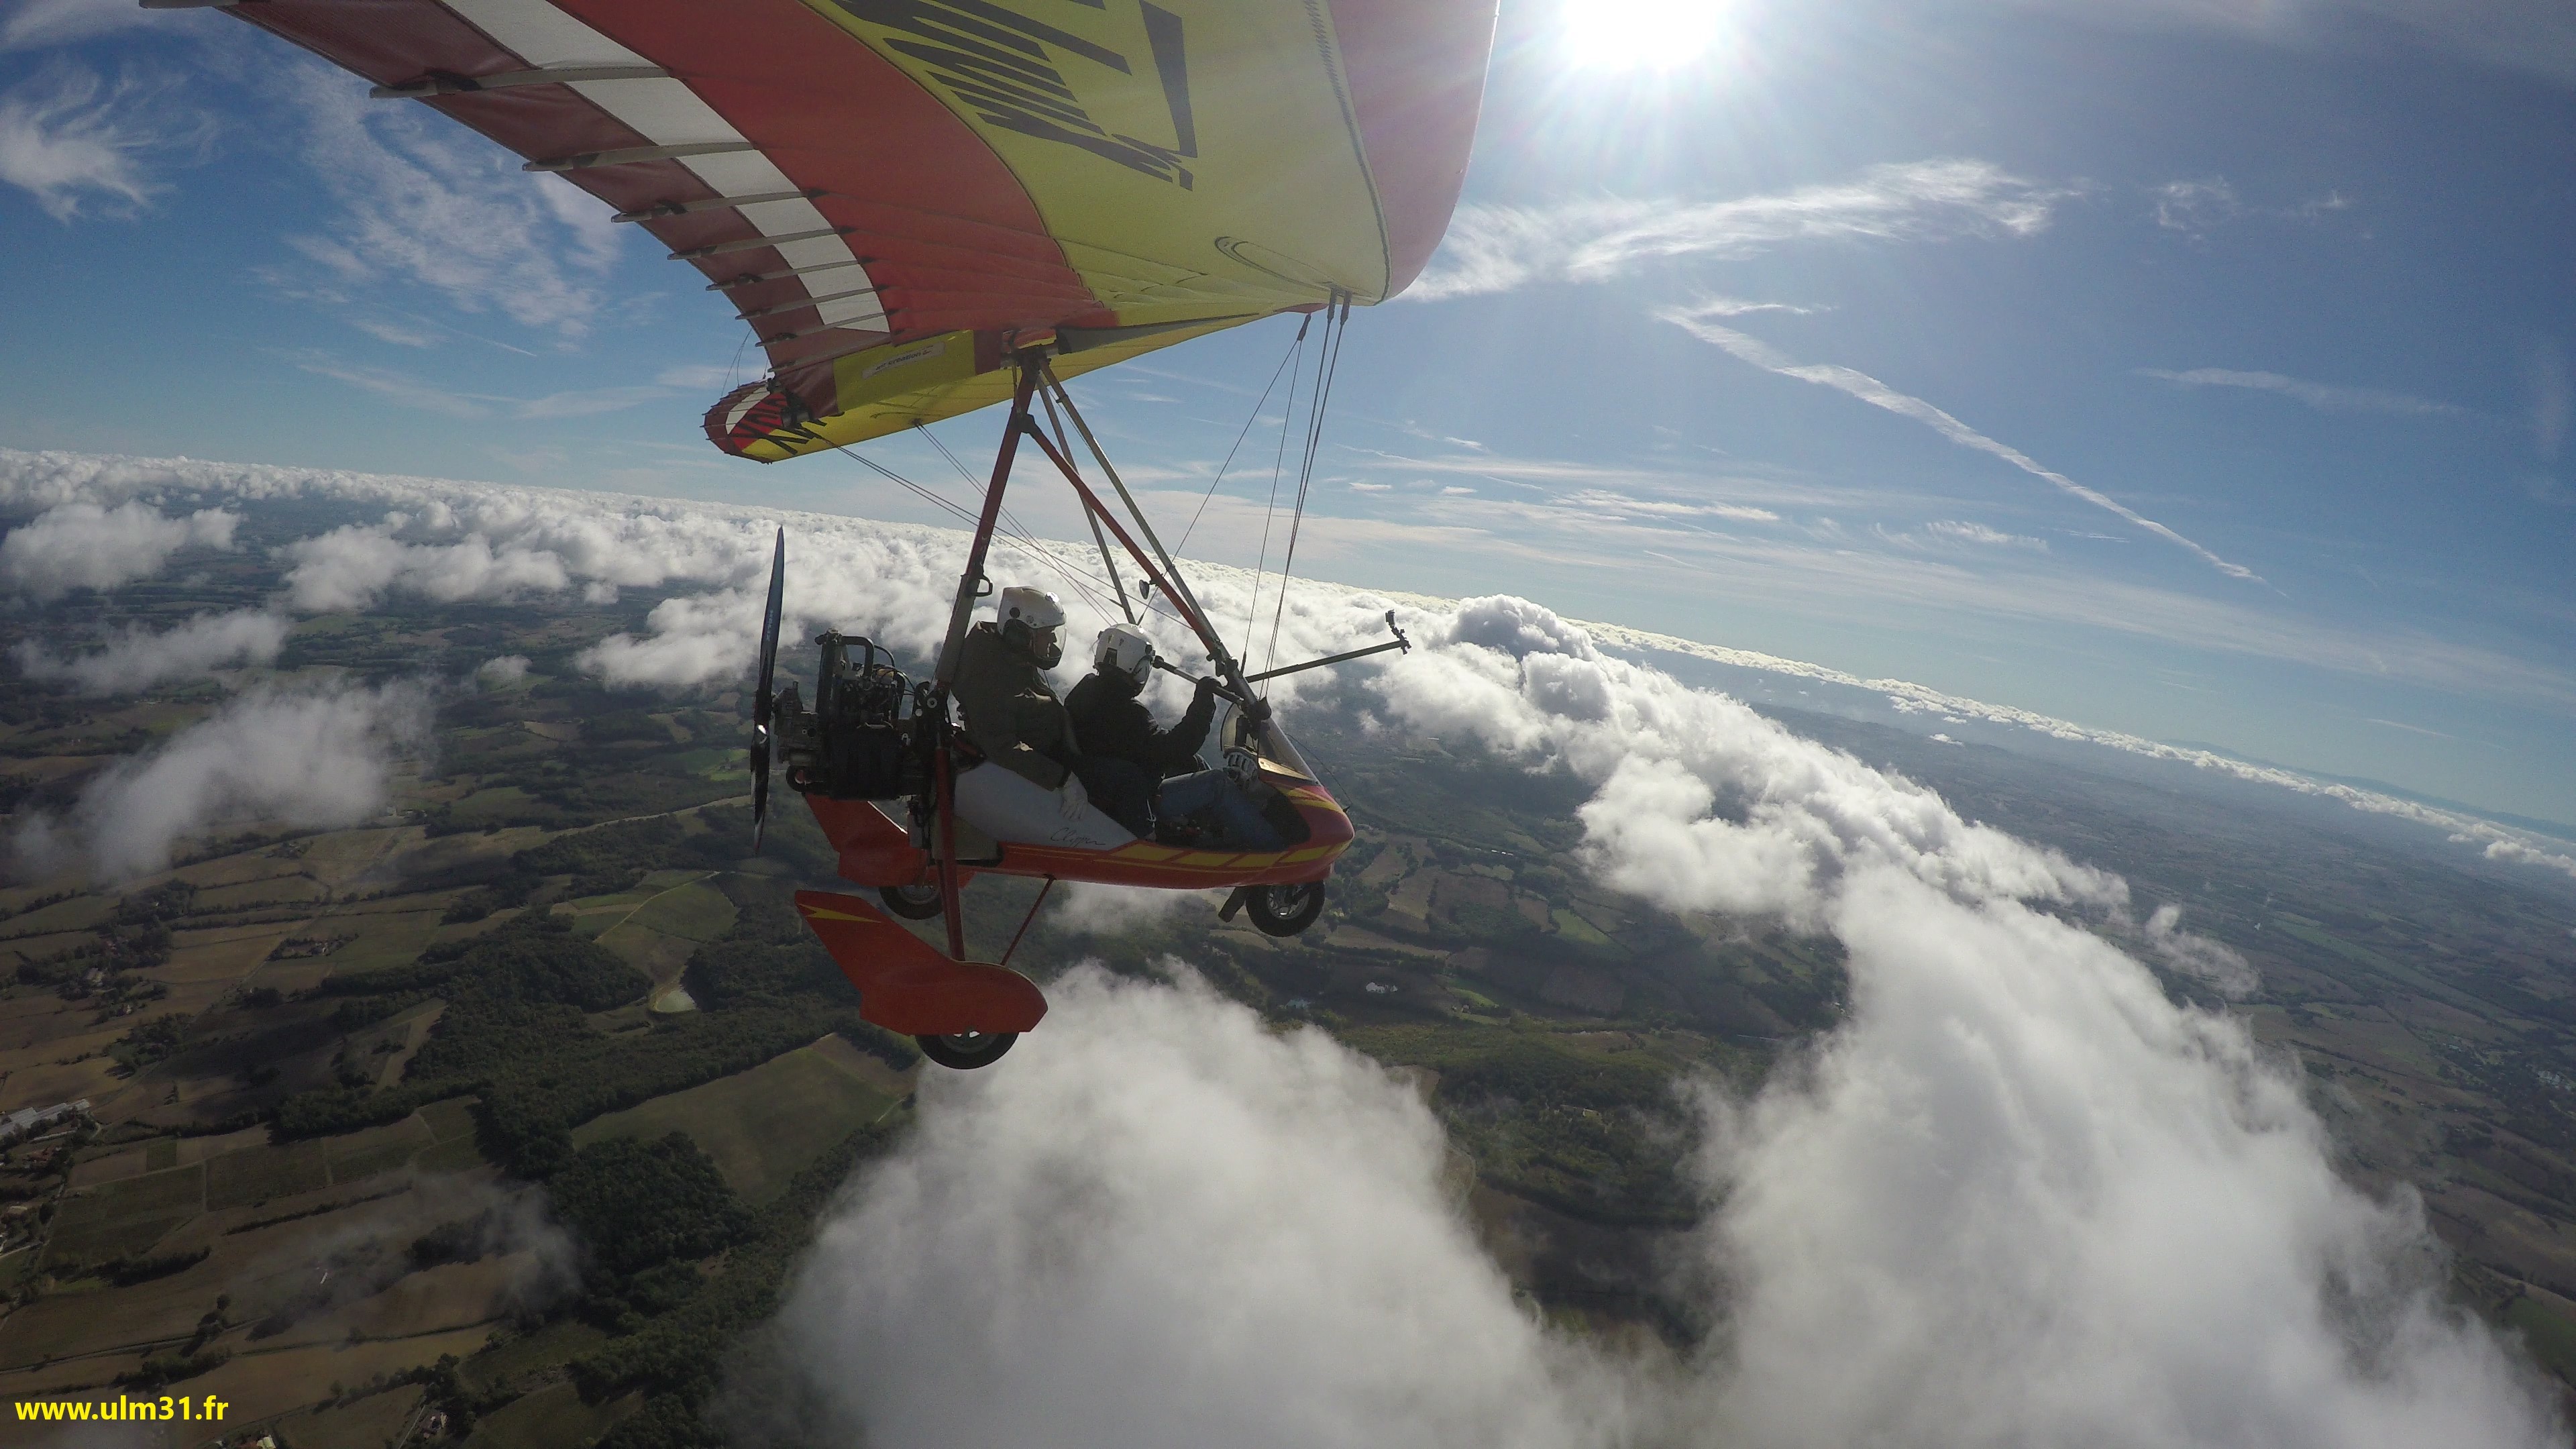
[[2197, 369]]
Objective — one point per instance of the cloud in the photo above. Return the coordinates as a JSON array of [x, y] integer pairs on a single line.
[[1878, 394], [1951, 530], [312, 759], [1715, 306], [2325, 397], [2017, 1196], [1088, 909], [1908, 698], [351, 567], [421, 204], [84, 546], [137, 659], [1501, 248], [70, 140], [397, 333], [503, 669], [2212, 961], [2196, 208], [1188, 1231]]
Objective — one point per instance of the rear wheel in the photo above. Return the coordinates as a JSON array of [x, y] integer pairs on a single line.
[[1285, 910], [917, 902], [966, 1050]]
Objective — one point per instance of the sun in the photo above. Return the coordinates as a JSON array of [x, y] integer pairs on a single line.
[[1633, 35]]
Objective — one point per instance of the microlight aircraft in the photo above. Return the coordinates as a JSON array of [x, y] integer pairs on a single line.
[[927, 207]]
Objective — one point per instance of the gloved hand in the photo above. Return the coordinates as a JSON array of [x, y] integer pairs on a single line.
[[1207, 685], [1071, 798]]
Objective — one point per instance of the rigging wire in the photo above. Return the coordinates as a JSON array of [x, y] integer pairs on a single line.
[[1244, 433], [1064, 446], [1270, 510], [1021, 541], [1328, 365], [1008, 519]]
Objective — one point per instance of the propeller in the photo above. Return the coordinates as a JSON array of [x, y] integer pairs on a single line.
[[762, 701]]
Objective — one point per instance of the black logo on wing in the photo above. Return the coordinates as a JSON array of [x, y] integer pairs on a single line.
[[1003, 66]]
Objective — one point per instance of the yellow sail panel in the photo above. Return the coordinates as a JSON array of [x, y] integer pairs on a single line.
[[888, 389], [1190, 156]]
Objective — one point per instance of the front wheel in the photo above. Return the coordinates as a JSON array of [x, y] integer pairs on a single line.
[[916, 902], [966, 1050], [1285, 910]]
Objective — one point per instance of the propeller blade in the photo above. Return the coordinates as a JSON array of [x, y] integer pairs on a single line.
[[763, 699]]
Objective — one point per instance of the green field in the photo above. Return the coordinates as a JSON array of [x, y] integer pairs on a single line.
[[124, 1218], [261, 1174], [761, 1126]]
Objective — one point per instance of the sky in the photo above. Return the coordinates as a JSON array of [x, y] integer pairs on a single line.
[[2194, 369]]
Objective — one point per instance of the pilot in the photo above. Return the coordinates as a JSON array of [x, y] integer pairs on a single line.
[[1136, 761], [1012, 716]]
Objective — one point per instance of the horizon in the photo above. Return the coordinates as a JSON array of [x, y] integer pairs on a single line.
[[2171, 402]]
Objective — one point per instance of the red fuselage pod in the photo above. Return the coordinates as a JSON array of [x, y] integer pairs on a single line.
[[877, 850]]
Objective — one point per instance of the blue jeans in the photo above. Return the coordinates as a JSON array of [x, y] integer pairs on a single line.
[[1213, 793]]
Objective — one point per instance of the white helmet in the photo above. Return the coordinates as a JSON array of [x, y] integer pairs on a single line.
[[1034, 607], [1037, 617], [1124, 648]]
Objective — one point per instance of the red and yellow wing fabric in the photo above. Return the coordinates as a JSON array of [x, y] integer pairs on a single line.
[[894, 193]]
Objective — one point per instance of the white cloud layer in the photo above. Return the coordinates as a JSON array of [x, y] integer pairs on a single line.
[[84, 546], [1502, 248], [2018, 1198], [893, 581], [2323, 396], [311, 759], [1878, 394], [137, 659]]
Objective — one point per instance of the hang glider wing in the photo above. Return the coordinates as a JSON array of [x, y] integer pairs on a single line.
[[893, 192]]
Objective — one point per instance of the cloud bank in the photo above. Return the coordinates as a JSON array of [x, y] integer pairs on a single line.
[[85, 546], [137, 659], [310, 759], [892, 581]]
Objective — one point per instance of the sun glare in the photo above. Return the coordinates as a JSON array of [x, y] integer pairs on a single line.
[[1641, 34]]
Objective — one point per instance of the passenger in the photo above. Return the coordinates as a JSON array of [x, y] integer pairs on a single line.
[[1132, 756], [1012, 715]]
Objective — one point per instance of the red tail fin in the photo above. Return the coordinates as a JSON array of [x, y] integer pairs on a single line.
[[905, 986]]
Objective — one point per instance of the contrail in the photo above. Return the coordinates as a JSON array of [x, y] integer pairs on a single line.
[[1878, 394]]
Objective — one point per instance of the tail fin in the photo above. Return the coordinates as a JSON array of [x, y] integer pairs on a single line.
[[905, 986]]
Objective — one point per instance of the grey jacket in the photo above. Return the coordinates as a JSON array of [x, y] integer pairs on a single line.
[[1011, 714]]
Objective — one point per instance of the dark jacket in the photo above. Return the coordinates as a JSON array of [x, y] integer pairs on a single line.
[[1011, 714], [1111, 721]]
